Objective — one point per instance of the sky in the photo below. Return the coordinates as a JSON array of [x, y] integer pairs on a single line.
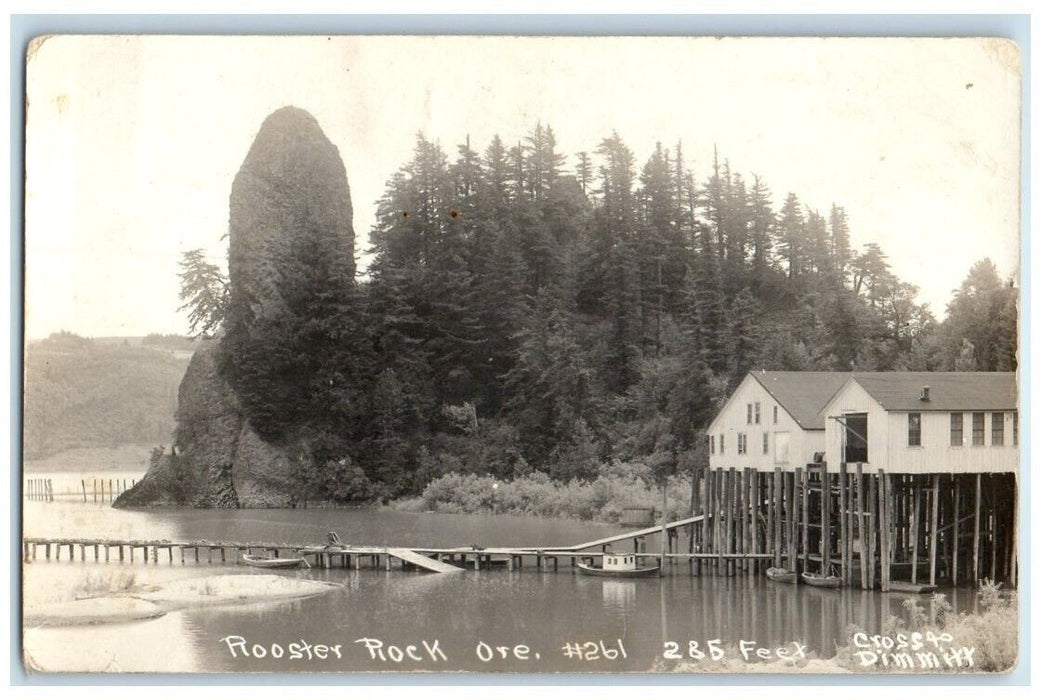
[[132, 142]]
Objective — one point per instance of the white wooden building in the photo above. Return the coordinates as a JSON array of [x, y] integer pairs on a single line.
[[773, 419], [924, 422]]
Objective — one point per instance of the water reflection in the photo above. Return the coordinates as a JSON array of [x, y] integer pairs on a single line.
[[541, 609]]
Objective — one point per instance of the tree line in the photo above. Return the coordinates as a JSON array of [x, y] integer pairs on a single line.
[[529, 310]]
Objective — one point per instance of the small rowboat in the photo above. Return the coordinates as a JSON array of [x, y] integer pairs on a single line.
[[589, 570], [908, 587], [780, 575], [821, 581], [273, 562]]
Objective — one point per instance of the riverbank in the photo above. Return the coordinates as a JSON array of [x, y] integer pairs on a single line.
[[927, 637], [602, 499], [118, 598]]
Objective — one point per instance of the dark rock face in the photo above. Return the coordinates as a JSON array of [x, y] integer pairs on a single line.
[[290, 194], [290, 212]]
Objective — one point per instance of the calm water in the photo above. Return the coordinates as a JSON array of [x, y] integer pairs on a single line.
[[539, 609]]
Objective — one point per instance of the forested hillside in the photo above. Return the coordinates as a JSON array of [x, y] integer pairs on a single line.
[[81, 392], [531, 310]]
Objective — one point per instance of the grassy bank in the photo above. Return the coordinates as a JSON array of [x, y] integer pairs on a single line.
[[601, 499], [989, 636]]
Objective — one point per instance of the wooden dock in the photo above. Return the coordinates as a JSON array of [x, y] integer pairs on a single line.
[[869, 529]]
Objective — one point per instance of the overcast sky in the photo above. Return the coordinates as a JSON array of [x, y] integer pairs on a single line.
[[132, 143]]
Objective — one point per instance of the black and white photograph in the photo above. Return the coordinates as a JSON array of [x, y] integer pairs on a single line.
[[521, 354]]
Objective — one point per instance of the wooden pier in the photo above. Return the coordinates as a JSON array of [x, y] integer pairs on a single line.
[[870, 529]]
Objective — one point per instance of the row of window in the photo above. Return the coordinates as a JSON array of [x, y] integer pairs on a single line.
[[979, 429], [742, 443], [781, 442], [753, 413]]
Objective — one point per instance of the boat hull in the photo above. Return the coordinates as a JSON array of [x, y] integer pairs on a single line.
[[272, 563], [907, 587], [781, 575], [632, 573], [821, 581]]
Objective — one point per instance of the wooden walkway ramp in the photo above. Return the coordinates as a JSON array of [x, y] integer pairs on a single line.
[[629, 535], [424, 562]]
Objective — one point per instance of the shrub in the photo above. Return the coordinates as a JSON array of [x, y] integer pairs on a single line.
[[993, 632], [601, 498]]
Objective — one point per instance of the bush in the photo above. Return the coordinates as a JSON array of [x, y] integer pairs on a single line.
[[602, 498], [993, 632]]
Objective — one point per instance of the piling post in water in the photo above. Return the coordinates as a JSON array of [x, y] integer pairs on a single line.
[[802, 495], [916, 517], [957, 515], [976, 532], [886, 494], [935, 521], [843, 525]]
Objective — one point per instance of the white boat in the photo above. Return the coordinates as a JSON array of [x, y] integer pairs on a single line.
[[620, 565]]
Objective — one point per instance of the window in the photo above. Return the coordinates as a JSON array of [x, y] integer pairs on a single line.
[[712, 444], [766, 443], [721, 436], [742, 443], [757, 413], [1015, 427], [957, 432], [775, 415], [914, 429], [978, 429], [997, 429], [780, 448], [749, 414]]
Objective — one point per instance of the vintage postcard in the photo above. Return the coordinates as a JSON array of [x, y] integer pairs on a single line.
[[591, 355]]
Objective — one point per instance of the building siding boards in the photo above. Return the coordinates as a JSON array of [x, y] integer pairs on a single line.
[[888, 447], [937, 455], [733, 419], [853, 398]]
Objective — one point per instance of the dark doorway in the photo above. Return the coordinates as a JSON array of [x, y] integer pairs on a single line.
[[856, 437]]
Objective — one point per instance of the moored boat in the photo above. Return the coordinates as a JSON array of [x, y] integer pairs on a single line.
[[821, 581], [776, 573], [618, 566], [262, 562], [908, 587]]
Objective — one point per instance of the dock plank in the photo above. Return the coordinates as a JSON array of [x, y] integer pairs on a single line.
[[417, 559]]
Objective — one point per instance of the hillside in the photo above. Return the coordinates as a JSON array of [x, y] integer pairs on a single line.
[[104, 392]]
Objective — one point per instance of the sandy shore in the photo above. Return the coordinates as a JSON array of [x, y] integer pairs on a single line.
[[229, 589]]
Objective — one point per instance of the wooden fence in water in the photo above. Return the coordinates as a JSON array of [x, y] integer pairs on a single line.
[[89, 490], [867, 529]]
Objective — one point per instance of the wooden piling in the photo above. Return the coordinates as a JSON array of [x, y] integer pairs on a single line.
[[955, 545], [756, 507], [934, 521], [775, 510], [802, 493], [790, 511], [825, 520], [716, 518], [916, 517], [976, 531], [872, 484], [843, 525], [733, 489]]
